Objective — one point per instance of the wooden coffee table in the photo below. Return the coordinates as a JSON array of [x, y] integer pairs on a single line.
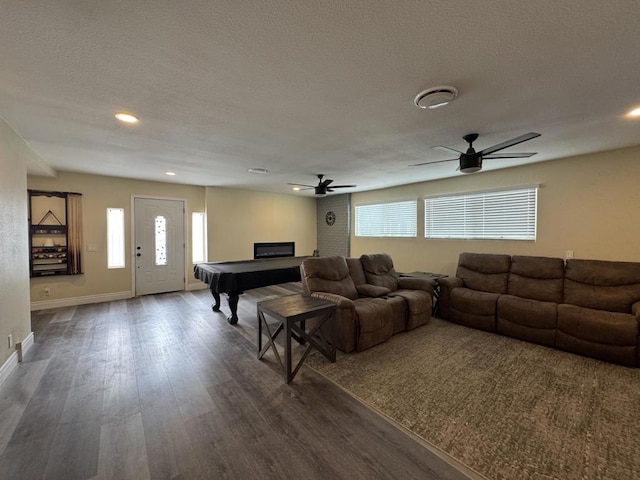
[[292, 312]]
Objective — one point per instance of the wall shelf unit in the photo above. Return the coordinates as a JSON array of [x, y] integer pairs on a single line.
[[49, 234]]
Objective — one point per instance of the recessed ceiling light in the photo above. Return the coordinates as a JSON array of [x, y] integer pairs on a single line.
[[634, 113], [296, 188], [258, 171], [171, 174], [435, 97], [127, 117]]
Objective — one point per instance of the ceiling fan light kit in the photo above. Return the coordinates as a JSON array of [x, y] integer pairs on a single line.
[[436, 97], [470, 164]]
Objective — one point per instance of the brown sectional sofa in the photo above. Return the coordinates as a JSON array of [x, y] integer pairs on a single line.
[[588, 307], [372, 302]]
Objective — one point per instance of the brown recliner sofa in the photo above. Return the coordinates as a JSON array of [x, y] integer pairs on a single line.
[[588, 307], [367, 313]]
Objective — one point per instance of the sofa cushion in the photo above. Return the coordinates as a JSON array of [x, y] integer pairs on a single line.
[[526, 319], [473, 301], [418, 305], [484, 272], [374, 322], [537, 278], [356, 271], [527, 312], [602, 285], [378, 270], [328, 274], [612, 328], [357, 275], [610, 336], [398, 314]]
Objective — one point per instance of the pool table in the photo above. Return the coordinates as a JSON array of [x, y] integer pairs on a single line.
[[233, 278]]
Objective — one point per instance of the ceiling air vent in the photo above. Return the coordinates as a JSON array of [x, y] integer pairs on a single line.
[[435, 97]]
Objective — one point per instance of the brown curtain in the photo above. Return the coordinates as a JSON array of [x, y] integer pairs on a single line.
[[74, 232]]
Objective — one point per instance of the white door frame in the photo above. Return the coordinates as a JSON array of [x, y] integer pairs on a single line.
[[187, 237]]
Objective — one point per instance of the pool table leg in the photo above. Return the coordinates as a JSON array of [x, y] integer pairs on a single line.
[[216, 306], [233, 305]]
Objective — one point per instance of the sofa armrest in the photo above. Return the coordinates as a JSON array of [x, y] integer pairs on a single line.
[[450, 282], [447, 284], [344, 330], [374, 291], [339, 300], [414, 283]]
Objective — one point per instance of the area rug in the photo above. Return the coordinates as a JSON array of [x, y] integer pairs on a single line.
[[507, 409]]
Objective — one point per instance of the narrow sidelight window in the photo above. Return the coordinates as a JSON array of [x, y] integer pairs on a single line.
[[115, 238], [197, 237]]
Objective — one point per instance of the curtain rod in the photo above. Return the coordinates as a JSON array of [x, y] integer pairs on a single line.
[[52, 194]]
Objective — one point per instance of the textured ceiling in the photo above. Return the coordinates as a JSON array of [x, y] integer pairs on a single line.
[[301, 88]]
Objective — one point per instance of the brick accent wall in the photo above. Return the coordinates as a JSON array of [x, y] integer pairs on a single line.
[[334, 239]]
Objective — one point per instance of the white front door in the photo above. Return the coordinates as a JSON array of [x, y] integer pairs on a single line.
[[159, 245]]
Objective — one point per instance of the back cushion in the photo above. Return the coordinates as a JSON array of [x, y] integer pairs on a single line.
[[378, 270], [537, 278], [484, 271], [356, 271], [328, 274], [602, 285]]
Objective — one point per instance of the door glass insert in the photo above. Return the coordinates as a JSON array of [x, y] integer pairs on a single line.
[[161, 240]]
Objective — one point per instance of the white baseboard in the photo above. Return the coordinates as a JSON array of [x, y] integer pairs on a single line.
[[27, 343], [72, 301], [12, 362], [197, 286]]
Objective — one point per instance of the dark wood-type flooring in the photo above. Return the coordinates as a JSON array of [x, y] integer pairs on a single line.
[[161, 387]]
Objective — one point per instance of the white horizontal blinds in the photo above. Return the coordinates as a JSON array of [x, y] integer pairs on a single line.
[[504, 214], [394, 219]]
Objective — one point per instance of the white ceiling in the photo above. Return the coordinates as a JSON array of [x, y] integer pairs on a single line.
[[301, 87]]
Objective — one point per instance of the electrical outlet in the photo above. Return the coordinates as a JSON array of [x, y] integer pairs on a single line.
[[47, 291], [569, 255], [10, 340]]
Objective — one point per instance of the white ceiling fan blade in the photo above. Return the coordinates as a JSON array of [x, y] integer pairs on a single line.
[[301, 185], [510, 155], [442, 148], [509, 143], [429, 163]]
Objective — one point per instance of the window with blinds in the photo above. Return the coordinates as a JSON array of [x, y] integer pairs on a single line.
[[503, 215], [394, 219]]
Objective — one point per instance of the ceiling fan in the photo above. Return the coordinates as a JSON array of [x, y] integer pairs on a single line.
[[471, 161], [323, 186]]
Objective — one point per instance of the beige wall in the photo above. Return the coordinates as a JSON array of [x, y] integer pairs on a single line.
[[588, 204], [14, 270], [98, 194], [238, 218]]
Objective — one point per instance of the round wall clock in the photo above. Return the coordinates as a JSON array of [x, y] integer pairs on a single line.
[[330, 218]]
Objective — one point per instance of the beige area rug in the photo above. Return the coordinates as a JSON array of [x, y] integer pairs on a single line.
[[506, 408]]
